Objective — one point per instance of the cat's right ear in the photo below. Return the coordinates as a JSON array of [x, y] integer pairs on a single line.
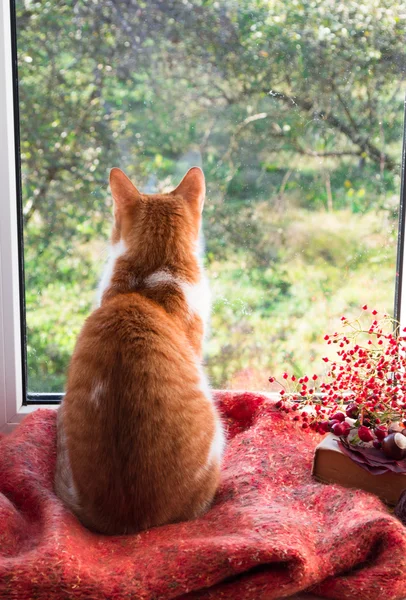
[[123, 190]]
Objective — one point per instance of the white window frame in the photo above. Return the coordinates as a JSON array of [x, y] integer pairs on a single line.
[[12, 407]]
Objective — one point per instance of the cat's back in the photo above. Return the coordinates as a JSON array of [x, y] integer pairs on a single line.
[[132, 367], [135, 418], [129, 319]]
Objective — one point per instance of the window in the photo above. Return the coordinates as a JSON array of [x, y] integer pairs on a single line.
[[293, 109]]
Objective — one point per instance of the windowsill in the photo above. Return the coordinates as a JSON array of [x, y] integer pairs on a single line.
[[27, 409]]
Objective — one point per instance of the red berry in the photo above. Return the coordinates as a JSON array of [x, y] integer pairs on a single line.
[[271, 379], [365, 434], [352, 411], [341, 429], [381, 433], [324, 426], [365, 307], [338, 416]]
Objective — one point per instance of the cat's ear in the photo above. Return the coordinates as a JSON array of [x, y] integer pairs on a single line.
[[123, 190], [192, 187]]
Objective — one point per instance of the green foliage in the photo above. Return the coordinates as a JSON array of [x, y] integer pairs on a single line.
[[294, 109], [274, 321]]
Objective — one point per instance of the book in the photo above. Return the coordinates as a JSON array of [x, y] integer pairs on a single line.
[[331, 465]]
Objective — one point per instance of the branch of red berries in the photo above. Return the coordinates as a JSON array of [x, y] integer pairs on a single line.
[[362, 399]]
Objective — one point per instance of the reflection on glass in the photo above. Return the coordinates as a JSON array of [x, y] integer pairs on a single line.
[[294, 110]]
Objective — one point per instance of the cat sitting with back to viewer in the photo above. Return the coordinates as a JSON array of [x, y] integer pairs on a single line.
[[139, 437]]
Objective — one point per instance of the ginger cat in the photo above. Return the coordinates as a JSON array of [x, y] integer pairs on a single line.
[[139, 437]]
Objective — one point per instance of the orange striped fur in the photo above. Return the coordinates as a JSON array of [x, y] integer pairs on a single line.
[[139, 437]]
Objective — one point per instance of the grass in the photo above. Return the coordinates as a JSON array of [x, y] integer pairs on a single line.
[[268, 315]]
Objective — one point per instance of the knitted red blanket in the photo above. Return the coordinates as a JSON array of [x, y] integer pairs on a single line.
[[271, 532]]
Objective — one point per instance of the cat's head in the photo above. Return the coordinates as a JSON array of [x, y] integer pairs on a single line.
[[158, 229]]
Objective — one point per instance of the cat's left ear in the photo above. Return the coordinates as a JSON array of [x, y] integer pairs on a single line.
[[123, 190], [192, 188]]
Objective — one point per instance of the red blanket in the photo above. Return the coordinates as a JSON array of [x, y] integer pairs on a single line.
[[271, 532]]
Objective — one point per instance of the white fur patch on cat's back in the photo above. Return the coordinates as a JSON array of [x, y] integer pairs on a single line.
[[197, 295], [115, 251], [98, 392], [198, 298], [218, 443], [159, 278], [219, 440]]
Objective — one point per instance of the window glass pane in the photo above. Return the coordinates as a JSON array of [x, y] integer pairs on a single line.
[[294, 110]]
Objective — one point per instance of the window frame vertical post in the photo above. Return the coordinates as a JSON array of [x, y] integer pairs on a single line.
[[400, 298], [11, 340]]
